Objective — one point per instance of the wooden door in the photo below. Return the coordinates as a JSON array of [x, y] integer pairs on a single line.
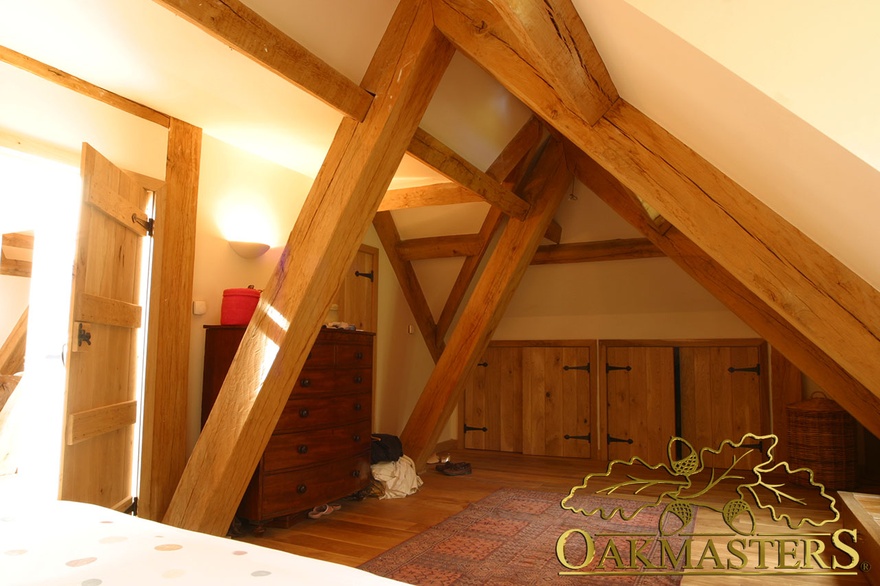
[[357, 299], [723, 397], [100, 401], [640, 402], [493, 414], [556, 401]]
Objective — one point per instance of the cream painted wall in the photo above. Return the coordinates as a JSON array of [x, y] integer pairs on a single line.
[[237, 191]]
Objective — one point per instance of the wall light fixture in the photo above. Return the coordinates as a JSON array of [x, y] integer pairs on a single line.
[[248, 249]]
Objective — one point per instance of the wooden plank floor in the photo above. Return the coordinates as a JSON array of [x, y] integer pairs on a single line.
[[363, 529]]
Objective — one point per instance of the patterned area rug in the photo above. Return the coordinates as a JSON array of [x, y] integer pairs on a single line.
[[510, 537]]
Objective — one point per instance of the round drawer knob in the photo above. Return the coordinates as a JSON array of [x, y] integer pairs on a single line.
[[303, 449], [358, 379], [356, 437], [359, 355], [356, 473], [358, 407], [301, 489], [305, 383], [303, 412]]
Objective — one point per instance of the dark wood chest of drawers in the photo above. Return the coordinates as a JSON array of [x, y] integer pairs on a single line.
[[320, 449]]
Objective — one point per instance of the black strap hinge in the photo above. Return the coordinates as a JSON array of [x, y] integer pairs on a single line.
[[147, 224]]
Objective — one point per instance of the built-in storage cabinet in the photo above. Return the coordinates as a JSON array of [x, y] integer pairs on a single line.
[[638, 385], [553, 398], [320, 448], [548, 381], [703, 391], [723, 395]]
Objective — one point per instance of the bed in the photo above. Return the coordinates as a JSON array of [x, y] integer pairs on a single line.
[[72, 543]]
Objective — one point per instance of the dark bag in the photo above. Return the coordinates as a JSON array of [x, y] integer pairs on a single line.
[[385, 448]]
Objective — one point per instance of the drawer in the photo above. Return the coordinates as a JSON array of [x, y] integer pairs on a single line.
[[289, 450], [353, 380], [303, 412], [298, 490], [321, 355], [311, 381], [314, 381], [354, 356]]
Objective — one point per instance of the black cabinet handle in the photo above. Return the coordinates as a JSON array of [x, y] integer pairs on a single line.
[[305, 383], [358, 407], [303, 449], [356, 473], [359, 355], [356, 437], [303, 412], [301, 489], [358, 379]]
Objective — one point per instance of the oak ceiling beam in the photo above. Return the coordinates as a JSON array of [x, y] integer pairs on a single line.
[[438, 194], [335, 217], [239, 27], [409, 282], [822, 298], [435, 154], [560, 48], [608, 250], [18, 240], [13, 347], [509, 167], [12, 267], [477, 29], [439, 247], [519, 239], [81, 86], [466, 274], [760, 316]]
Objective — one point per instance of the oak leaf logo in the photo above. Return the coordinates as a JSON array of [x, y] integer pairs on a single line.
[[683, 485]]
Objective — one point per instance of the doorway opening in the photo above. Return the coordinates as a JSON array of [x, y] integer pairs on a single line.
[[39, 206]]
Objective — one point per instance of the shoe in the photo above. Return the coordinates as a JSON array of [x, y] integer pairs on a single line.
[[322, 510], [454, 468]]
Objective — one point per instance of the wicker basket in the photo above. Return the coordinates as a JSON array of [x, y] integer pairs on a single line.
[[822, 437]]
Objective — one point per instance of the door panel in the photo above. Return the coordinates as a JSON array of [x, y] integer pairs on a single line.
[[97, 458], [640, 389], [556, 401], [723, 398], [493, 399], [356, 298]]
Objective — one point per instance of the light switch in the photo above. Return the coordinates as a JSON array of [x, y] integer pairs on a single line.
[[199, 308]]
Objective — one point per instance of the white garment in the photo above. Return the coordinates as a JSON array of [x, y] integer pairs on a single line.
[[398, 479]]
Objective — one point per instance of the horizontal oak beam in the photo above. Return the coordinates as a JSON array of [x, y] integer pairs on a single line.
[[439, 247], [81, 86], [608, 250], [438, 194], [18, 240]]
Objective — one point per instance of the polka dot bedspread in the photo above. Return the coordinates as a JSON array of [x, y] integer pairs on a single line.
[[86, 545]]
